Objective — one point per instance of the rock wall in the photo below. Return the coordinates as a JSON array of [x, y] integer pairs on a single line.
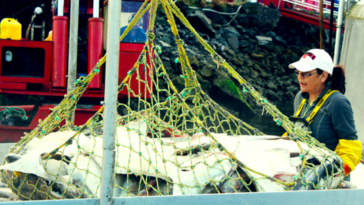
[[258, 43]]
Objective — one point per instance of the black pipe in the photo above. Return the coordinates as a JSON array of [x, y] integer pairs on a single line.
[[331, 25]]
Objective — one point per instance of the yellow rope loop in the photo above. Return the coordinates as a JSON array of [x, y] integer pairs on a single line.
[[218, 60]]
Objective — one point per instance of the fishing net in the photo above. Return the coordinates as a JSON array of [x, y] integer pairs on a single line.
[[168, 141]]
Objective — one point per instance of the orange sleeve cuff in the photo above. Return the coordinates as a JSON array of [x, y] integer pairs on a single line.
[[350, 152]]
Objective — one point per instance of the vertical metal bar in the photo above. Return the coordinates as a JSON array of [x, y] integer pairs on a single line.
[[60, 7], [339, 25], [111, 94], [96, 9], [32, 33], [43, 30], [332, 9], [72, 52], [321, 24]]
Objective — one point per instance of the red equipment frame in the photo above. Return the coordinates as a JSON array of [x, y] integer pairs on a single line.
[[13, 84], [54, 81]]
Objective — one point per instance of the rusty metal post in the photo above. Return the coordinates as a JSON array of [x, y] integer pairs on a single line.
[[321, 24]]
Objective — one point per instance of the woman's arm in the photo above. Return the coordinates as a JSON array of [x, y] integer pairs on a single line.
[[349, 148]]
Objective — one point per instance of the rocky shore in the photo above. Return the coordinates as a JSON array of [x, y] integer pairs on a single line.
[[257, 43]]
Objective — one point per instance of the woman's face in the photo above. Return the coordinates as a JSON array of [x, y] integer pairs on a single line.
[[310, 81]]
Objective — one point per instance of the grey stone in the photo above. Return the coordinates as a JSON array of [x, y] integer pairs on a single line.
[[254, 74], [237, 62], [257, 56], [230, 29], [263, 72], [285, 77], [194, 61], [271, 95], [250, 7], [164, 44], [189, 51], [249, 63], [207, 70], [205, 84], [232, 40], [272, 86], [199, 20], [230, 52], [264, 40], [179, 82], [292, 88], [280, 40], [270, 34]]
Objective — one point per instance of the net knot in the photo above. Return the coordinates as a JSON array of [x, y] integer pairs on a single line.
[[151, 35], [279, 123], [179, 41], [264, 100], [240, 123], [158, 49]]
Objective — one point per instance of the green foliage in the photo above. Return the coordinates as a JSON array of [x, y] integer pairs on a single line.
[[233, 88]]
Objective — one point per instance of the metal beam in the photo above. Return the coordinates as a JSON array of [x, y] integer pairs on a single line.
[[96, 8], [55, 202], [60, 7], [111, 97], [337, 197], [72, 51], [339, 26]]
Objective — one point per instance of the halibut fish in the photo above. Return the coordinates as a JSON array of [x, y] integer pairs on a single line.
[[155, 166]]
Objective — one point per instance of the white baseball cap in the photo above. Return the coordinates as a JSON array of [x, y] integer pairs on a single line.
[[312, 59]]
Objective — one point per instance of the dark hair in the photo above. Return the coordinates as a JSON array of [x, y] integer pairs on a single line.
[[337, 78]]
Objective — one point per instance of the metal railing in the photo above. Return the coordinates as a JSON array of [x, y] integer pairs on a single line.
[[313, 5], [353, 197]]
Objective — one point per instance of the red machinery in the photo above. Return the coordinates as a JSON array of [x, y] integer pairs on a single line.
[[302, 11], [40, 68]]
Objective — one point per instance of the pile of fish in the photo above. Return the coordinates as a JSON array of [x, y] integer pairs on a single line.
[[161, 166]]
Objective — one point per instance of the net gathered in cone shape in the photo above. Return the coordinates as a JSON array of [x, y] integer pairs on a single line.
[[181, 144]]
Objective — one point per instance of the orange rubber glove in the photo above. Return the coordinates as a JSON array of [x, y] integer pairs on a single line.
[[347, 169]]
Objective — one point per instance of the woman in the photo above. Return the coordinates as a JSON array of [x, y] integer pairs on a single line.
[[321, 102]]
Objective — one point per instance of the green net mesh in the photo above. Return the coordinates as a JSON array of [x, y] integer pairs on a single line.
[[183, 144]]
